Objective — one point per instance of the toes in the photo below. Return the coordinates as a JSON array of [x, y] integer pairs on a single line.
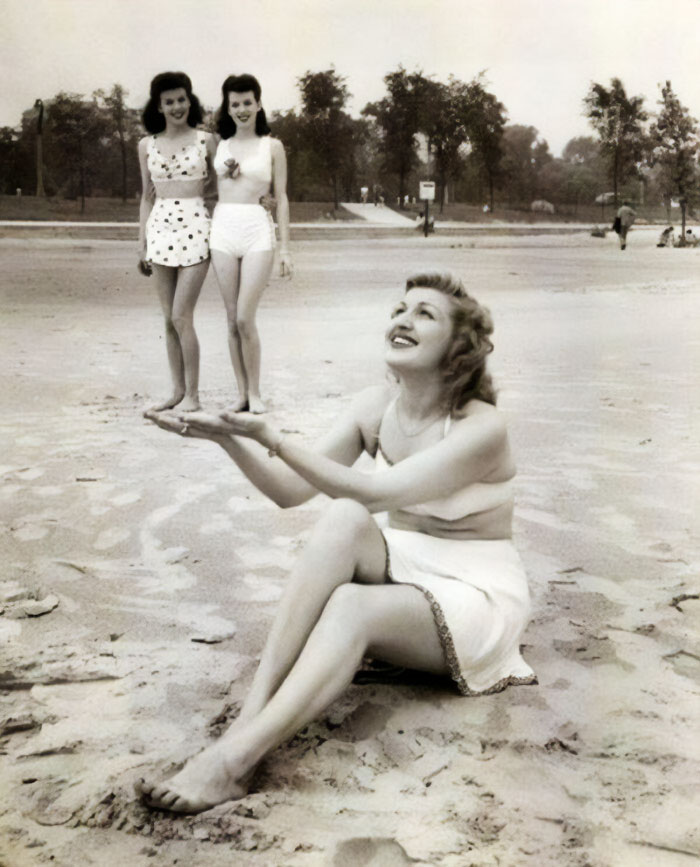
[[169, 799], [143, 789], [182, 805]]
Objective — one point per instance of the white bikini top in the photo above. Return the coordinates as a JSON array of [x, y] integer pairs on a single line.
[[186, 163], [254, 158], [470, 500]]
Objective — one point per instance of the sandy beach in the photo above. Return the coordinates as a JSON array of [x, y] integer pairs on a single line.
[[141, 572]]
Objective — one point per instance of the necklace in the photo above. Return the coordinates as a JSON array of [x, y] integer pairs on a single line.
[[420, 430]]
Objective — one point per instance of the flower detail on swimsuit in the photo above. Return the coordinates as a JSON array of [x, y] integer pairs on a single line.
[[233, 170]]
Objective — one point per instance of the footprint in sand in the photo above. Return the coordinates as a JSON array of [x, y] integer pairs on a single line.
[[29, 533], [48, 491], [30, 474], [126, 499], [110, 538]]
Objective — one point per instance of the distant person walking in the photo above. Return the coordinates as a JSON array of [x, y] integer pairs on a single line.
[[666, 238], [175, 162], [623, 222]]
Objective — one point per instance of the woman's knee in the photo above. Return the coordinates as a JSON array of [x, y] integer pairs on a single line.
[[246, 326], [345, 518], [232, 327], [182, 322]]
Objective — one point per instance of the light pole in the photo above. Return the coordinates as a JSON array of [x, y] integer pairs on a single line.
[[38, 104]]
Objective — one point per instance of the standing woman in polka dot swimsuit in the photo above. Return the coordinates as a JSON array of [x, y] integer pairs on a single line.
[[248, 161], [174, 223]]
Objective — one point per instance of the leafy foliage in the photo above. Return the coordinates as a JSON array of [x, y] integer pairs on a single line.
[[618, 119]]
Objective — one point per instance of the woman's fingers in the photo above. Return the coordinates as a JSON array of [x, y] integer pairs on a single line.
[[166, 422], [202, 421]]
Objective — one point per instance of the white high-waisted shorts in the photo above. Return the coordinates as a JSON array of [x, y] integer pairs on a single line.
[[240, 229]]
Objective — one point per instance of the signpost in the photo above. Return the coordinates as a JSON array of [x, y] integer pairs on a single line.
[[426, 191]]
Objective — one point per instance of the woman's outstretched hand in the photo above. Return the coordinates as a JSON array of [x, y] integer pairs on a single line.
[[246, 424], [199, 425]]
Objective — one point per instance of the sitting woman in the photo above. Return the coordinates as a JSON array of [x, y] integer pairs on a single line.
[[432, 583]]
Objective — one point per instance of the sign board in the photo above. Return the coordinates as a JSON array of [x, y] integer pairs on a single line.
[[426, 191]]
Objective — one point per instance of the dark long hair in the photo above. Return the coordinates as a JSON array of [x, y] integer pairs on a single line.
[[464, 365], [225, 124], [152, 118]]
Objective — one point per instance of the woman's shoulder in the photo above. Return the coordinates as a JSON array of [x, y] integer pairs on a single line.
[[480, 413], [369, 407], [145, 143], [276, 145]]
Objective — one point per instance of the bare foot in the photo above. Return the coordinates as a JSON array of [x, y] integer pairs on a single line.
[[241, 405], [166, 404], [256, 405], [190, 404], [206, 780]]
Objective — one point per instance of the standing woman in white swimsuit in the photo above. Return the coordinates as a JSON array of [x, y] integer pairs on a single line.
[[174, 224], [411, 563], [248, 162]]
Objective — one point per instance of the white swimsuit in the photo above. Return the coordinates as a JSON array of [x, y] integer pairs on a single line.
[[477, 588], [239, 228]]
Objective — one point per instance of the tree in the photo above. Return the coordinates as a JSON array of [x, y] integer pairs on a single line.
[[581, 150], [485, 131], [328, 129], [398, 116], [674, 146], [121, 121], [525, 154], [443, 123], [618, 119], [78, 128]]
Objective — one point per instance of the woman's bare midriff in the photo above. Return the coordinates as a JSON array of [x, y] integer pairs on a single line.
[[179, 189], [492, 524]]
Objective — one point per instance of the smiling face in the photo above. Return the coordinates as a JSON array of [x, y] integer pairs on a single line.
[[420, 330], [243, 108], [175, 105]]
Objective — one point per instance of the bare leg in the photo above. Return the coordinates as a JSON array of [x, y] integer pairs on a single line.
[[189, 285], [392, 621], [227, 270], [345, 545], [254, 277], [166, 281]]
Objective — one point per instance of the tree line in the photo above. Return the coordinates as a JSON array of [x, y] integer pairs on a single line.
[[455, 132]]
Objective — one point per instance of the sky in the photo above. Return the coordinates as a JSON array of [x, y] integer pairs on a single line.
[[539, 57]]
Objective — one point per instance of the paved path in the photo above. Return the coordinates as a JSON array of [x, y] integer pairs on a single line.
[[377, 214]]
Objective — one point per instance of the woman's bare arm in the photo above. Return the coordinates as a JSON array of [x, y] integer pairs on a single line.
[[146, 204], [279, 186], [474, 448], [286, 487]]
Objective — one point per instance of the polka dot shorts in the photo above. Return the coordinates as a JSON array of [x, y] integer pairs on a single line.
[[177, 232]]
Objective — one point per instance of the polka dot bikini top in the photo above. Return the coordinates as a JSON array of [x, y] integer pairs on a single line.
[[187, 163]]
